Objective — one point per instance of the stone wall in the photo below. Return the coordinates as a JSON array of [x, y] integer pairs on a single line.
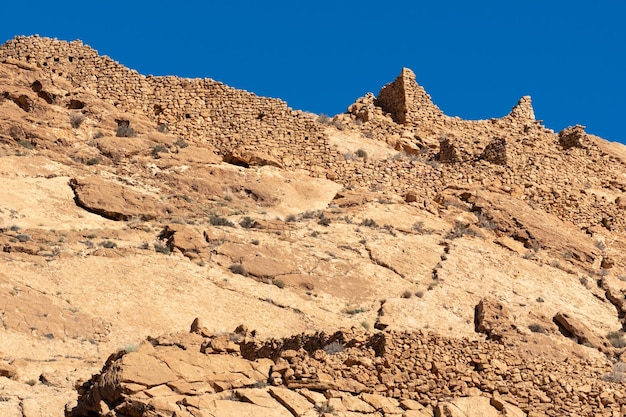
[[357, 373], [197, 109], [514, 153]]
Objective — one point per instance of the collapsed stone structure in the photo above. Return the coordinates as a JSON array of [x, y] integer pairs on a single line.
[[514, 152], [349, 373], [497, 202]]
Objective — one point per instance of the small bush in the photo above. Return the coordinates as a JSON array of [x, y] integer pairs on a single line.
[[460, 230], [77, 119], [339, 124], [26, 144], [369, 223], [310, 214], [22, 238], [279, 283], [418, 227], [390, 229], [353, 311], [217, 220], [181, 143], [407, 294], [108, 244], [334, 347], [361, 153], [158, 149], [247, 223], [618, 374], [93, 161], [291, 218], [419, 294], [238, 269], [125, 131], [537, 328], [324, 119], [98, 135], [617, 339], [324, 221], [365, 325], [164, 249], [163, 128]]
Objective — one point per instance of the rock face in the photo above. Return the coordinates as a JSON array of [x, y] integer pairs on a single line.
[[115, 201], [347, 373], [483, 262]]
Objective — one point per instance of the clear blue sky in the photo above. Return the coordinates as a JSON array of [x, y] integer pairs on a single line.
[[475, 58]]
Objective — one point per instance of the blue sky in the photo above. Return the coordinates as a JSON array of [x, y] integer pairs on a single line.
[[476, 59]]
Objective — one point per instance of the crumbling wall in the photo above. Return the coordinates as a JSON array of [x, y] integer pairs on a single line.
[[194, 108]]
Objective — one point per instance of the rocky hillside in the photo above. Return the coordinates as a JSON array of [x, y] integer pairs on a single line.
[[390, 260]]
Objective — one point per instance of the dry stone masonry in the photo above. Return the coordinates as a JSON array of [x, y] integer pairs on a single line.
[[515, 154], [348, 373]]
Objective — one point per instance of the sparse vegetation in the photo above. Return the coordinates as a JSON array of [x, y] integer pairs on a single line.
[[238, 269], [22, 237], [217, 220], [108, 244], [418, 227], [247, 223], [324, 119], [279, 283], [486, 222], [76, 119], [324, 408], [323, 220], [125, 131], [369, 223], [334, 347], [537, 328], [407, 294], [460, 230], [181, 143], [157, 149], [353, 311], [618, 374], [361, 153], [163, 128], [164, 249], [93, 161], [310, 214], [26, 144], [617, 339]]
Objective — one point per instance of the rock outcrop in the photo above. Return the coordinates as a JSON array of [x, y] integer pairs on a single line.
[[347, 373]]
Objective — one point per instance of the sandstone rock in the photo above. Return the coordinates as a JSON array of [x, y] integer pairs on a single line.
[[294, 402], [115, 201], [492, 318], [248, 158], [573, 327]]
